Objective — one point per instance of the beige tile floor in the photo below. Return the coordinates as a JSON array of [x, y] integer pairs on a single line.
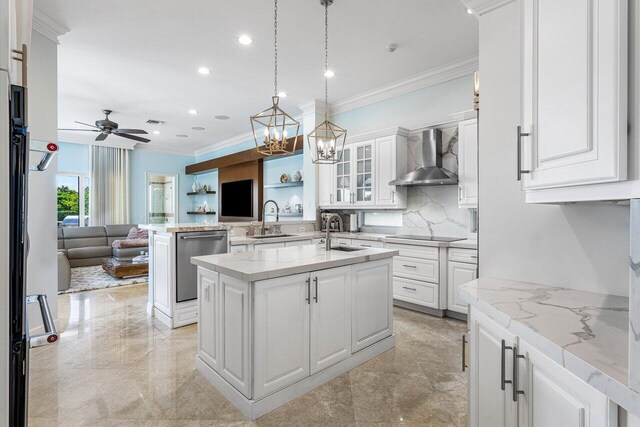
[[114, 366]]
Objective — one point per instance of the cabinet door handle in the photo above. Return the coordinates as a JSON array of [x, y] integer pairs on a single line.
[[503, 381], [308, 290], [393, 196], [464, 352], [516, 356], [409, 266], [315, 281], [520, 170], [411, 289]]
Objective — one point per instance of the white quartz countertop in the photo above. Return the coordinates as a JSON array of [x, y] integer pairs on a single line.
[[185, 227], [278, 262], [585, 332]]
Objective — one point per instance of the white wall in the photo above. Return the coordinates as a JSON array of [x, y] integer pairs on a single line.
[[583, 246], [42, 267]]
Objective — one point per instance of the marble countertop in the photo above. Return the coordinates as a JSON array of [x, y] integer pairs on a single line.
[[585, 332], [185, 227], [278, 262], [244, 240]]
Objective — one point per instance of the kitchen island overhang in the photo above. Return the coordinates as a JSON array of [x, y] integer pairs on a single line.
[[275, 324]]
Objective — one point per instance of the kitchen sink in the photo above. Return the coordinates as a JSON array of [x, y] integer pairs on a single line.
[[271, 236], [347, 249]]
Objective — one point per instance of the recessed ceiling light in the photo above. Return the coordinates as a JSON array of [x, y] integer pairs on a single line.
[[197, 128], [182, 135], [204, 71], [245, 39], [470, 12], [222, 117], [329, 74], [156, 132], [193, 112], [282, 94]]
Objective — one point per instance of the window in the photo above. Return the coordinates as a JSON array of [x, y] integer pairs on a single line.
[[383, 219], [73, 198]]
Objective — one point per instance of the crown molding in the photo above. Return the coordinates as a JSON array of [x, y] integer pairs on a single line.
[[47, 26], [129, 145], [432, 77], [380, 133], [480, 7]]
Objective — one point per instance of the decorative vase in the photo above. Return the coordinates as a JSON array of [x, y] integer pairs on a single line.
[[194, 187], [297, 176], [284, 178]]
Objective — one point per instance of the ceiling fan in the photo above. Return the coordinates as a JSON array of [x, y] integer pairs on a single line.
[[106, 127]]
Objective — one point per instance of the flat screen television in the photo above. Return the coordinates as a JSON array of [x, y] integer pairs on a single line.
[[236, 199]]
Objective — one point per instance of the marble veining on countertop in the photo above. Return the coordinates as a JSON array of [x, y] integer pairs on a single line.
[[185, 227], [585, 332], [278, 262]]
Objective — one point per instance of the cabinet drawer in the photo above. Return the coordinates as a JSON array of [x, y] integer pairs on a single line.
[[423, 252], [261, 246], [238, 248], [415, 292], [298, 243], [367, 243], [418, 269], [469, 256], [345, 242]]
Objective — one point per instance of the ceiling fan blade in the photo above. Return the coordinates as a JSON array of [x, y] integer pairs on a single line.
[[135, 138], [83, 130], [134, 131], [87, 124], [102, 137]]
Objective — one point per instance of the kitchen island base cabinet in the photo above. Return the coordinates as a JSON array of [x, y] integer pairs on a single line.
[[547, 394], [267, 342]]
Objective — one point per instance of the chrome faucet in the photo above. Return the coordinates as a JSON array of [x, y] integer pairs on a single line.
[[264, 210], [330, 218]]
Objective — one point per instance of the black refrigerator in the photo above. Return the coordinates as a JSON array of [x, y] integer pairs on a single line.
[[19, 339]]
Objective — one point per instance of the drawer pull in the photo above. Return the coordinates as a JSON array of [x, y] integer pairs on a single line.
[[411, 289], [474, 256], [366, 246], [409, 266], [464, 353], [503, 381]]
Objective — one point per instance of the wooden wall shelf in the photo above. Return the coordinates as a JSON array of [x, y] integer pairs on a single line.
[[285, 184]]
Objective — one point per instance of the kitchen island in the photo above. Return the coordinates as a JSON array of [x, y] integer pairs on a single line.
[[172, 277], [273, 324]]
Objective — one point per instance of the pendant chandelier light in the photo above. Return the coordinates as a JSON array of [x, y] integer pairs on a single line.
[[276, 122], [326, 141]]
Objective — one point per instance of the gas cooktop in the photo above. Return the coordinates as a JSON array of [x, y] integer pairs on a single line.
[[428, 238]]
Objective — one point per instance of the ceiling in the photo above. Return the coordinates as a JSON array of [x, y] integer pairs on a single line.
[[140, 58]]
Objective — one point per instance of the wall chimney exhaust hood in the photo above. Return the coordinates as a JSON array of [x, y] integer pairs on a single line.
[[431, 171]]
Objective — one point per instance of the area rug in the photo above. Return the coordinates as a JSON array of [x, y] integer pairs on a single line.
[[94, 277]]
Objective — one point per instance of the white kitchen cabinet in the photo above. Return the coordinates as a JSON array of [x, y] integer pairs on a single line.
[[468, 164], [418, 269], [326, 186], [209, 306], [163, 273], [342, 178], [330, 319], [390, 163], [237, 248], [416, 292], [281, 353], [298, 243], [234, 333], [363, 181], [554, 397], [261, 246], [366, 243], [574, 94], [341, 241], [458, 273], [372, 315], [490, 365]]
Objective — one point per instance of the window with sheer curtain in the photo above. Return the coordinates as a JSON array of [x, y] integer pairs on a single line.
[[109, 186]]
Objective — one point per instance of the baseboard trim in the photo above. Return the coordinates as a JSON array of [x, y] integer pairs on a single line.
[[455, 315], [419, 308], [253, 409]]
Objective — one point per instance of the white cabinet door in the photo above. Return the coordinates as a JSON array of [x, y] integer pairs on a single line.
[[489, 364], [209, 309], [574, 92], [385, 170], [163, 272], [326, 184], [281, 348], [468, 164], [234, 334], [342, 184], [371, 301], [458, 274], [330, 317], [363, 174], [367, 243], [554, 397]]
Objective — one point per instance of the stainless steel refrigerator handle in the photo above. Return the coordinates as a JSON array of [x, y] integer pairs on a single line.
[[50, 334], [520, 170], [207, 236]]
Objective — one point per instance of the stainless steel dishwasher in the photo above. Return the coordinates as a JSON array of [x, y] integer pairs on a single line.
[[195, 244]]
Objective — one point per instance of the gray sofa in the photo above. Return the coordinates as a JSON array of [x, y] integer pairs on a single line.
[[85, 246]]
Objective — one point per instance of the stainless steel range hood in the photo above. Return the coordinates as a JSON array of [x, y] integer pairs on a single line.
[[431, 171]]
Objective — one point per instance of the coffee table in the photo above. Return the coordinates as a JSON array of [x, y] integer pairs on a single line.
[[124, 269]]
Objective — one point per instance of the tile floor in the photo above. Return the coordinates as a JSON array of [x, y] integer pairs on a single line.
[[114, 366]]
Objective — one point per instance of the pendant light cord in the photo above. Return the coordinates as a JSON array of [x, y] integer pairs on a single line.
[[326, 60], [275, 48]]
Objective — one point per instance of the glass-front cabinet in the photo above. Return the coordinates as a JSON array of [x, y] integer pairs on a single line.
[[363, 186], [343, 178]]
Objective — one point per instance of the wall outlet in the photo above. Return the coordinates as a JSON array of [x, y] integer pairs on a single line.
[[302, 229]]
